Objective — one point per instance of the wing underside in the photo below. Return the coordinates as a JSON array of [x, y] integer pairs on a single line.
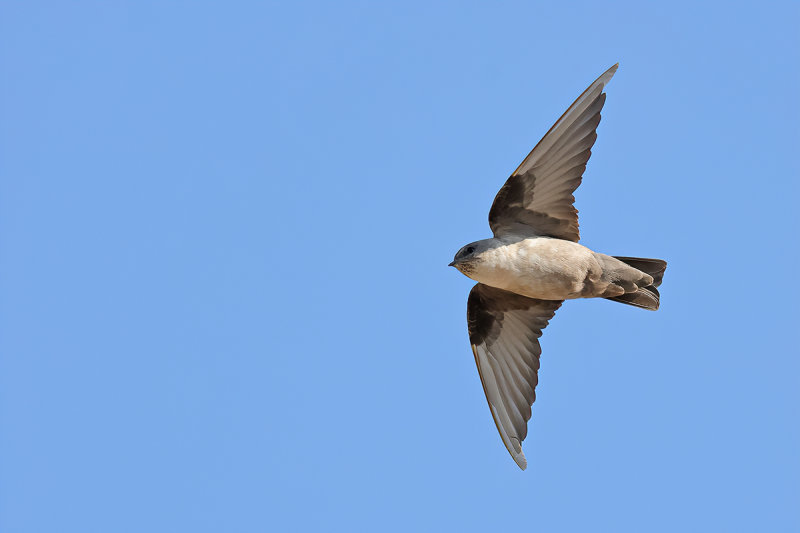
[[504, 332], [538, 197]]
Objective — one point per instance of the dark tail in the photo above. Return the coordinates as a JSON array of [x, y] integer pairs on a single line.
[[645, 297]]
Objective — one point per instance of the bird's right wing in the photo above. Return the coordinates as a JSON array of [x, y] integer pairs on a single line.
[[537, 199], [504, 330]]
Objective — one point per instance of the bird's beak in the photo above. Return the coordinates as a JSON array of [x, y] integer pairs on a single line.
[[452, 263]]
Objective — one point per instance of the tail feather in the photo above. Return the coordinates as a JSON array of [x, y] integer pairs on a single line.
[[654, 267], [645, 297]]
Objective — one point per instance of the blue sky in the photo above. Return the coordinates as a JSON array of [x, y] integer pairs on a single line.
[[224, 299]]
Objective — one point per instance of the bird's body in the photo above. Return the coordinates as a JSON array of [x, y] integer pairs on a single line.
[[553, 269], [534, 262]]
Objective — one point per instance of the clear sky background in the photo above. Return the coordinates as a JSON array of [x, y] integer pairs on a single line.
[[224, 299]]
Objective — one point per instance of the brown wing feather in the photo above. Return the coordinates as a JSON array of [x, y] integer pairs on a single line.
[[504, 330], [537, 199]]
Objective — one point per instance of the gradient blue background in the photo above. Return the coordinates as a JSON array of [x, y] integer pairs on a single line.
[[224, 300]]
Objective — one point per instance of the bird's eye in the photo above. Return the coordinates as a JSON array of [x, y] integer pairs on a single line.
[[469, 249]]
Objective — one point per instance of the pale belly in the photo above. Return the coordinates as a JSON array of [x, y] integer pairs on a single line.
[[540, 267]]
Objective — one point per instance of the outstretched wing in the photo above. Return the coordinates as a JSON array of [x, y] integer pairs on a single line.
[[537, 199], [504, 330]]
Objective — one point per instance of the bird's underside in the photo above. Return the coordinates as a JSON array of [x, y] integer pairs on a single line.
[[554, 269], [534, 262]]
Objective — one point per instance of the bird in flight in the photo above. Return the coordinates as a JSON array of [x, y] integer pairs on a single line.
[[534, 262]]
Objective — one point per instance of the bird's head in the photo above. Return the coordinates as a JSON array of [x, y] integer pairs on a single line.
[[468, 257]]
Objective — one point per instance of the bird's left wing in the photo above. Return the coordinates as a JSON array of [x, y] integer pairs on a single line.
[[537, 199], [504, 330]]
